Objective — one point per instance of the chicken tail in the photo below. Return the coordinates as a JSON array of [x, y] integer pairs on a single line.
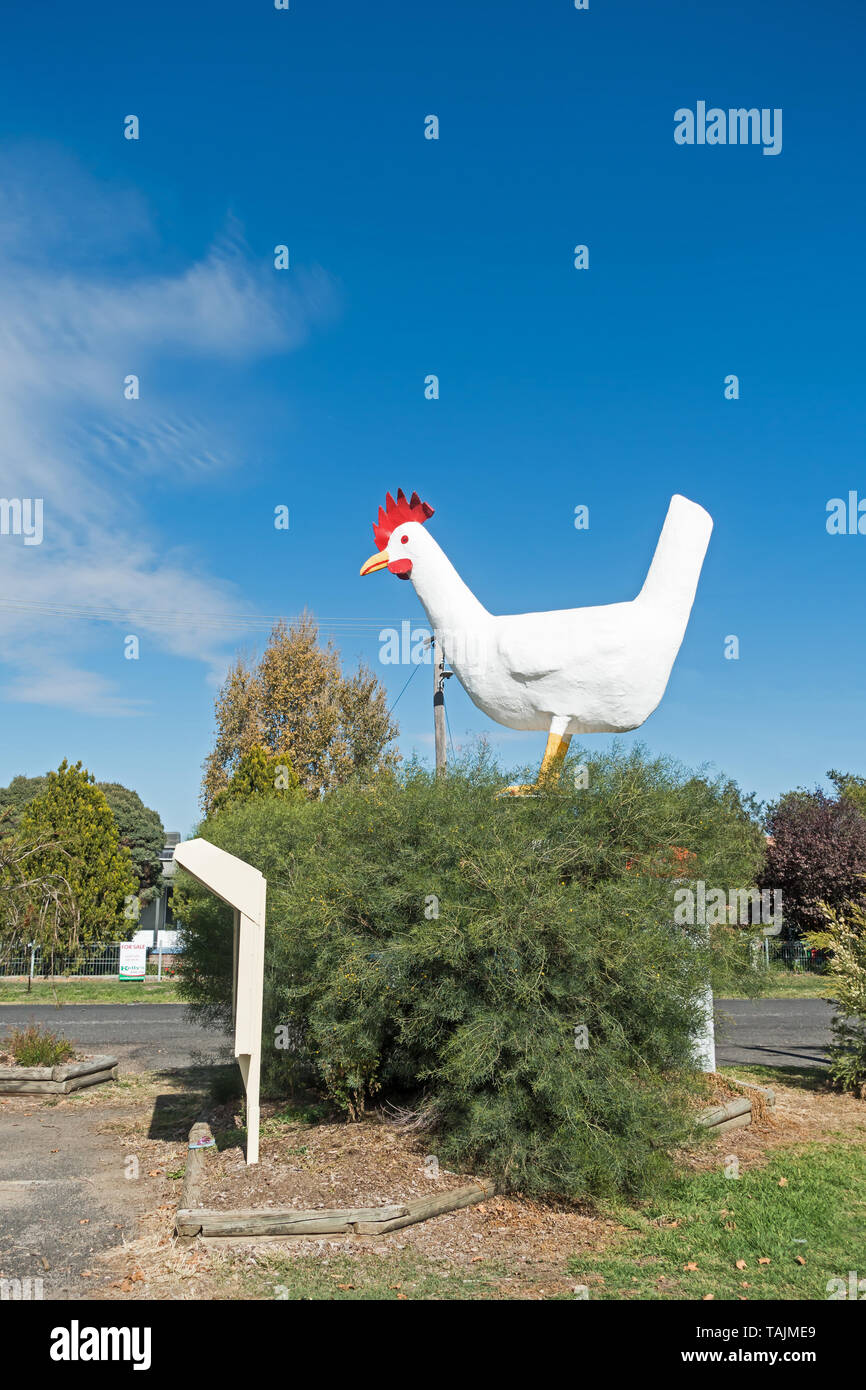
[[676, 566]]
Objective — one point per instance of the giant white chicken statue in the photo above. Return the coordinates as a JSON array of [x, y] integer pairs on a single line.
[[569, 671]]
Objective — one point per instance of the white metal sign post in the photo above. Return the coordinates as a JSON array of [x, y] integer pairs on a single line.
[[244, 889]]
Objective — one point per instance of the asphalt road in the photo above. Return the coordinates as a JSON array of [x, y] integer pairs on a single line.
[[772, 1032], [143, 1037]]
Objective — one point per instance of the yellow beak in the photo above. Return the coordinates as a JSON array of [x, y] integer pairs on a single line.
[[375, 562]]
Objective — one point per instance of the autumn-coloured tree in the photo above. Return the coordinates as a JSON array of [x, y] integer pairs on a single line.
[[73, 823], [297, 705], [817, 857]]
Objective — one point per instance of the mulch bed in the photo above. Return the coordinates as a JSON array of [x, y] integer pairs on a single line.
[[366, 1164]]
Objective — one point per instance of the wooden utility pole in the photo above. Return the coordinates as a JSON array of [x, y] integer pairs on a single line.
[[440, 675]]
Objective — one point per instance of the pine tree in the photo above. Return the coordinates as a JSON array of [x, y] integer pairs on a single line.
[[139, 827], [75, 817]]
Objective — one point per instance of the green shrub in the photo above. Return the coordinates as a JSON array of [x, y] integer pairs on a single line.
[[35, 1046], [434, 945], [844, 937]]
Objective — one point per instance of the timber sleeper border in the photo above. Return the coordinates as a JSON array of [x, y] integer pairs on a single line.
[[737, 1112], [60, 1080], [281, 1223]]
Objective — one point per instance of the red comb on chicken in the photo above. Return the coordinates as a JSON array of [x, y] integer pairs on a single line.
[[394, 514]]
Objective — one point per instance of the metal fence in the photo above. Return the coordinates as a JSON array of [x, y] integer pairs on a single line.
[[101, 960], [794, 956]]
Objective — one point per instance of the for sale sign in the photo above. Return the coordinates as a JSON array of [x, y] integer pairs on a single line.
[[133, 960]]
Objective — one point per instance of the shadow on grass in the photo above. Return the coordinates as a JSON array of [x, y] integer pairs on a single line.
[[803, 1078]]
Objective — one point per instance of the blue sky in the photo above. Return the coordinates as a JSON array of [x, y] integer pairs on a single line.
[[305, 388]]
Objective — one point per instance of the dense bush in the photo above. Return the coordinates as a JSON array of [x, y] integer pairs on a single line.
[[434, 945]]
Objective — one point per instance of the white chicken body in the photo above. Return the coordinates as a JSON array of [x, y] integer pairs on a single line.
[[582, 670], [568, 671]]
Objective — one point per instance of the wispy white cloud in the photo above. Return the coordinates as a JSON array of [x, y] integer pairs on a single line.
[[71, 329]]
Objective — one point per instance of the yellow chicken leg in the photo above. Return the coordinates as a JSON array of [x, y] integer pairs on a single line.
[[554, 755]]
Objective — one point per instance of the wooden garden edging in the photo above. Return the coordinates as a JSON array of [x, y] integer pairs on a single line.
[[69, 1076], [737, 1112], [283, 1222]]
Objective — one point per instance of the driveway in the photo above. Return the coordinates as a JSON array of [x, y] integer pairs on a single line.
[[64, 1197], [66, 1191]]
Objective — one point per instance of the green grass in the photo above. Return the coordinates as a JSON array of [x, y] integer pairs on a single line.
[[805, 1078], [793, 984], [89, 992], [819, 1213]]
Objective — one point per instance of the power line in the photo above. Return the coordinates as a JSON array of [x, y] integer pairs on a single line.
[[167, 618], [397, 701]]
